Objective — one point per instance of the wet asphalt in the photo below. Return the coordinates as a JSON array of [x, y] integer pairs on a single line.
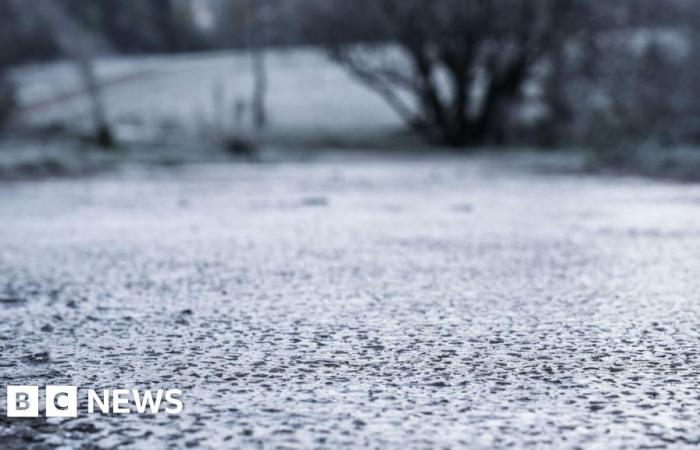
[[389, 304]]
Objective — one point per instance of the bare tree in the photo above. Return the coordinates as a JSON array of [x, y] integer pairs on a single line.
[[80, 46], [256, 41], [244, 24], [453, 69], [630, 78]]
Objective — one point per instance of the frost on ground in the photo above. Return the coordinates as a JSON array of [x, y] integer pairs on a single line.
[[423, 303]]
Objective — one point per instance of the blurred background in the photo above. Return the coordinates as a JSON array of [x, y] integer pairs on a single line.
[[87, 83]]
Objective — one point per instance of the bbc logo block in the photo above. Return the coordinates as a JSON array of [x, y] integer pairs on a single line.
[[23, 401], [62, 401]]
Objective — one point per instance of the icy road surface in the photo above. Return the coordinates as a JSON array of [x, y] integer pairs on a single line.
[[443, 303]]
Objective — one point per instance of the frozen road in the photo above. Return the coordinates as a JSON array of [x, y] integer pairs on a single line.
[[443, 303]]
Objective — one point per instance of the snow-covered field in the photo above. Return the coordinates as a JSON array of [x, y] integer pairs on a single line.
[[309, 97]]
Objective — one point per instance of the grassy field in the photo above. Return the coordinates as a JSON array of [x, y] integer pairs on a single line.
[[179, 109], [310, 100]]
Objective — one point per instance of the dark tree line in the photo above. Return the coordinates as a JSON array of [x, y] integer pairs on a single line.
[[79, 30], [129, 26], [138, 26]]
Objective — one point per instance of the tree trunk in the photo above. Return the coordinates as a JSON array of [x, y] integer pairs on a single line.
[[259, 88], [103, 133], [256, 42], [78, 45]]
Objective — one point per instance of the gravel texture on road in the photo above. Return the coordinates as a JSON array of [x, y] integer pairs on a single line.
[[389, 304]]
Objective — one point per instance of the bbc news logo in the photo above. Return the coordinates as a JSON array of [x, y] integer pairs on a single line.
[[62, 401]]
